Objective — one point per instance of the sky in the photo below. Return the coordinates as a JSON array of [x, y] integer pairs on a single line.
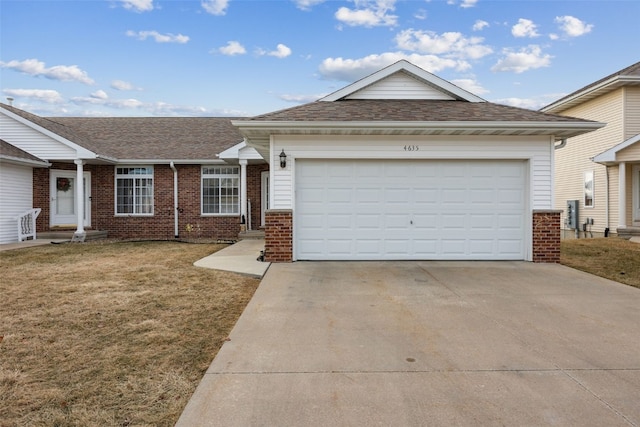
[[249, 57]]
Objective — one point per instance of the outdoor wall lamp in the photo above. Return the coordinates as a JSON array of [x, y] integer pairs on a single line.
[[283, 159]]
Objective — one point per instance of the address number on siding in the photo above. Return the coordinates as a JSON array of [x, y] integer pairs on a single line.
[[411, 148]]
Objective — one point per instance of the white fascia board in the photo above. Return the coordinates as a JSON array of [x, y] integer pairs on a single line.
[[410, 68], [232, 153], [81, 152], [609, 156], [24, 162]]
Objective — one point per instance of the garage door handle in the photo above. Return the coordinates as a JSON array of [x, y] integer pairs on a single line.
[[411, 222]]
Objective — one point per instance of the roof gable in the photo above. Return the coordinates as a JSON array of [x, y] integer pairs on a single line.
[[610, 156], [402, 80]]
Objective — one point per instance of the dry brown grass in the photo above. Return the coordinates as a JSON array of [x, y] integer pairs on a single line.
[[110, 334], [612, 258]]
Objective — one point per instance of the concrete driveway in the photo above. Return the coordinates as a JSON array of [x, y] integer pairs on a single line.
[[427, 343]]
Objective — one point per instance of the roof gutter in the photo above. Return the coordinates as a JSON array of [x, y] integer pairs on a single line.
[[563, 142]]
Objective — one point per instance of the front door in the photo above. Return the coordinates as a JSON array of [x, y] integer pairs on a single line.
[[63, 199], [636, 193]]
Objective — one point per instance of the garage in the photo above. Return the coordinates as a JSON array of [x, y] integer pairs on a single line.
[[410, 209]]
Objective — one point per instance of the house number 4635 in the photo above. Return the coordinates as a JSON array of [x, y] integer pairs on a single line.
[[411, 148]]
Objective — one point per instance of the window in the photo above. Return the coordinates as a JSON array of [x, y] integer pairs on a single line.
[[134, 190], [588, 189], [220, 190]]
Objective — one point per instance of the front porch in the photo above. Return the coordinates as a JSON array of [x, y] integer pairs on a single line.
[[628, 232]]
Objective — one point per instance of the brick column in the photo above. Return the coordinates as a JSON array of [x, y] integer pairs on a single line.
[[546, 236], [278, 235]]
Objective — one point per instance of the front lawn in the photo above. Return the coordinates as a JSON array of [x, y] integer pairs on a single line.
[[613, 258], [110, 334]]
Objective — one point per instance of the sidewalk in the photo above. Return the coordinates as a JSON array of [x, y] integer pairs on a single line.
[[241, 257]]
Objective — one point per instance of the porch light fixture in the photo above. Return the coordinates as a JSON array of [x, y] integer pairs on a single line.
[[283, 159]]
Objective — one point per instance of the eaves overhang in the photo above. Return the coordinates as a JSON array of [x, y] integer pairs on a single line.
[[610, 156], [208, 161], [255, 131], [590, 93], [24, 162]]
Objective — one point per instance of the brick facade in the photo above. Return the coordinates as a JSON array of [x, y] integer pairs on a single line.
[[162, 224], [546, 236], [278, 235]]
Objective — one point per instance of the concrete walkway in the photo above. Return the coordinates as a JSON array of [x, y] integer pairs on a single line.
[[30, 244], [427, 343], [241, 257]]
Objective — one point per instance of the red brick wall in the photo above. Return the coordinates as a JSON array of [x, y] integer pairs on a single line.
[[546, 236], [161, 224], [254, 191], [278, 235]]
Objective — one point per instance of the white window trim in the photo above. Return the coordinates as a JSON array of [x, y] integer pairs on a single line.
[[125, 176], [204, 176], [593, 189]]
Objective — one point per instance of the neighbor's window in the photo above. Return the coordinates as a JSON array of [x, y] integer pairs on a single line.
[[588, 189], [220, 190], [134, 190]]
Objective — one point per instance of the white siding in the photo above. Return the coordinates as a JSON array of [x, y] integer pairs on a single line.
[[632, 112], [399, 86], [574, 159], [537, 150], [32, 141], [16, 196]]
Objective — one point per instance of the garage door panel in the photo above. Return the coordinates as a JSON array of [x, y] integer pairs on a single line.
[[363, 209]]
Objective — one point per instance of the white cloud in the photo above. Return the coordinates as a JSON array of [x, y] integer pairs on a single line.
[[452, 44], [464, 3], [572, 26], [470, 85], [307, 4], [525, 28], [232, 48], [530, 103], [99, 94], [527, 58], [159, 38], [351, 70], [43, 95], [369, 13], [215, 7], [122, 85], [138, 5], [300, 99], [480, 25], [554, 36], [421, 14], [282, 51], [65, 73]]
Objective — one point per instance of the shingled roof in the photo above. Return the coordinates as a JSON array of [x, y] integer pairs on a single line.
[[143, 138], [156, 138], [409, 110], [11, 152]]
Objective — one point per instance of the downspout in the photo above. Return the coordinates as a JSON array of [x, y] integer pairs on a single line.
[[563, 142], [175, 199], [606, 208]]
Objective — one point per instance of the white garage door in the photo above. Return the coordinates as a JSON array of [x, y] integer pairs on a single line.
[[406, 209]]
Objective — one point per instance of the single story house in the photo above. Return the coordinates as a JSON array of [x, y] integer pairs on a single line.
[[601, 170], [398, 165]]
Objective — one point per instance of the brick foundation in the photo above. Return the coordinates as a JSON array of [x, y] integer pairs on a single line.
[[278, 235], [546, 236]]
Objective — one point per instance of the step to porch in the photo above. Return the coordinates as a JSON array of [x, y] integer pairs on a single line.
[[68, 235], [628, 232], [251, 234]]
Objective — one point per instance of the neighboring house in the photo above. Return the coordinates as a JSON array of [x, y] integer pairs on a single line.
[[153, 178], [16, 187], [601, 169], [405, 165], [398, 165]]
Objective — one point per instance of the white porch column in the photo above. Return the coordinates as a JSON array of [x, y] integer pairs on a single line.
[[243, 190], [80, 234], [622, 195]]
